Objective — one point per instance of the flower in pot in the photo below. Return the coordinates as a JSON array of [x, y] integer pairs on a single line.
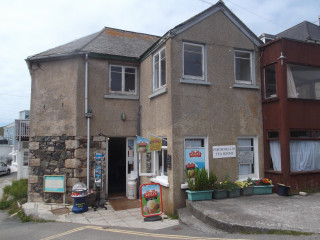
[[246, 188], [232, 188], [262, 186]]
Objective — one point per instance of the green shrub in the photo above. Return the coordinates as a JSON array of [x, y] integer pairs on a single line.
[[201, 180], [18, 190]]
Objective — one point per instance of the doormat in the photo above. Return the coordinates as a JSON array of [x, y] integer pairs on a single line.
[[124, 203], [60, 211]]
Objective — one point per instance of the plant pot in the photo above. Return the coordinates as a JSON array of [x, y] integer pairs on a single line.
[[262, 189], [247, 191], [220, 194], [283, 190], [199, 195], [234, 193]]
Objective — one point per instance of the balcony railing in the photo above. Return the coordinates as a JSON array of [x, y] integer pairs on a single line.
[[22, 128]]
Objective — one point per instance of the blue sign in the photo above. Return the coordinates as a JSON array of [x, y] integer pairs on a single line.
[[195, 158], [54, 183]]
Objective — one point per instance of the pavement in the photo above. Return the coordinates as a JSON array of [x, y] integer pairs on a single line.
[[131, 218], [256, 213]]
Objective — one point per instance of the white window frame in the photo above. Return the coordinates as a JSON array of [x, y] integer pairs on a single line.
[[252, 68], [203, 77], [255, 174], [154, 70], [123, 68]]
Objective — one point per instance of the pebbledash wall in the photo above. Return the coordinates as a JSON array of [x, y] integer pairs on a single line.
[[60, 155]]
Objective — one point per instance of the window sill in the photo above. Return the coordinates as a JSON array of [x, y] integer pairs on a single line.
[[159, 92], [194, 81], [243, 85], [184, 186], [119, 96], [304, 172], [162, 180]]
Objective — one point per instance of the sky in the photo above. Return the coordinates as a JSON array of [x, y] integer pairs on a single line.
[[30, 27]]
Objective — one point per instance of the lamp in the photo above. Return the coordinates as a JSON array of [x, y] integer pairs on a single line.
[[123, 116]]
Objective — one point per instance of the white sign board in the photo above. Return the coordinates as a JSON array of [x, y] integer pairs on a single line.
[[228, 151]]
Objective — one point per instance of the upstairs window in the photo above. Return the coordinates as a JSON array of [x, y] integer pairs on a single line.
[[159, 69], [303, 82], [123, 79], [193, 61], [243, 67], [270, 83]]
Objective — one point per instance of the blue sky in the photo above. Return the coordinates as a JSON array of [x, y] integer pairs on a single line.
[[33, 26]]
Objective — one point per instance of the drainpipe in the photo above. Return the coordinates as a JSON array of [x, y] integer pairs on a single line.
[[88, 116]]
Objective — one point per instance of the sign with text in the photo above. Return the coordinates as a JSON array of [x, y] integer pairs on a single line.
[[151, 199], [142, 145], [245, 157], [194, 158], [228, 151], [155, 143], [54, 183]]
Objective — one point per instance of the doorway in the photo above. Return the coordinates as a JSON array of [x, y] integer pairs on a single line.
[[117, 166]]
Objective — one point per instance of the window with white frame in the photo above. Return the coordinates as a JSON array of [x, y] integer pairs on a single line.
[[244, 68], [159, 69], [161, 159], [247, 157], [25, 158], [123, 79], [193, 61]]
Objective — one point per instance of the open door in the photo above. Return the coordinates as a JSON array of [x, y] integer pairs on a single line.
[[132, 163], [107, 164]]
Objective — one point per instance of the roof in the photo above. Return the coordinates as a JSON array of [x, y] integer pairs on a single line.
[[219, 6], [304, 31], [108, 41]]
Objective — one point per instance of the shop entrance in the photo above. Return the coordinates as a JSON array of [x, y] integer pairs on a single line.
[[117, 166]]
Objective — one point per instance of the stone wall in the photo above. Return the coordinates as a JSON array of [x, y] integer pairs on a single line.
[[60, 155]]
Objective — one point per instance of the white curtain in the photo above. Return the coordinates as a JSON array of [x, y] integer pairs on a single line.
[[304, 155], [275, 153], [291, 86]]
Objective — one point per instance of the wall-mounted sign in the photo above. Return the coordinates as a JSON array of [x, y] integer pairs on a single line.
[[245, 157], [142, 145], [151, 199], [155, 143], [54, 183], [228, 151]]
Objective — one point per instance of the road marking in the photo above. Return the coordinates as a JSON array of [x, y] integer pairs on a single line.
[[145, 234]]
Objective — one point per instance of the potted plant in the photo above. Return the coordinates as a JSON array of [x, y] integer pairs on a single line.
[[262, 186], [233, 189], [201, 186], [246, 187], [220, 190]]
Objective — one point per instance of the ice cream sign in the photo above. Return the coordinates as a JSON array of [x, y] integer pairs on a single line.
[[151, 199], [194, 158]]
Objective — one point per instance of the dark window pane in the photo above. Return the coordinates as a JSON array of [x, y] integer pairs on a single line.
[[129, 82], [115, 81], [270, 81], [193, 64], [242, 54], [130, 70], [190, 143], [156, 76], [243, 69], [116, 69], [318, 134], [163, 72], [273, 134], [301, 134], [165, 162]]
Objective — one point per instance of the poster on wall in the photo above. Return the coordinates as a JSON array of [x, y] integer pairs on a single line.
[[151, 199], [194, 158], [142, 145], [98, 169]]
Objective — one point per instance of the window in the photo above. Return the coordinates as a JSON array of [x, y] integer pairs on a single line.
[[193, 61], [162, 159], [123, 79], [196, 152], [304, 150], [303, 82], [270, 83], [159, 69], [25, 158], [247, 157], [243, 67]]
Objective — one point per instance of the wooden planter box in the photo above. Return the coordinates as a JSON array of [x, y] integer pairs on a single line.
[[234, 193], [262, 189], [220, 194], [199, 195], [247, 191]]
